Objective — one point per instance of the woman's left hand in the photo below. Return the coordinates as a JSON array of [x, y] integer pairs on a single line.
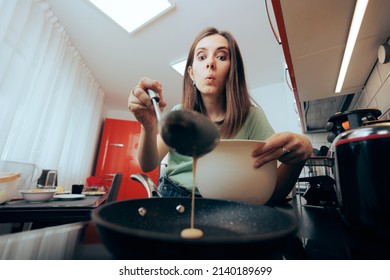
[[287, 147]]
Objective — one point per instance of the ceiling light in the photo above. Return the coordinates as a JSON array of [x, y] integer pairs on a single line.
[[357, 19], [132, 15], [384, 53], [180, 67]]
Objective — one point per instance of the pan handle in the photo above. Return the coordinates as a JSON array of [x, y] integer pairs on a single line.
[[147, 183]]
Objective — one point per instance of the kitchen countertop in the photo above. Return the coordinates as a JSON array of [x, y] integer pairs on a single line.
[[322, 235], [54, 210]]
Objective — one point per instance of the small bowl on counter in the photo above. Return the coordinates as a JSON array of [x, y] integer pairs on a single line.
[[38, 195]]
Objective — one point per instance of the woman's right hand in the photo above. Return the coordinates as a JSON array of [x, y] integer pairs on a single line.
[[141, 106]]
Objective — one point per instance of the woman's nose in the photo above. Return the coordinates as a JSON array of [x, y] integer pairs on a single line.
[[210, 64]]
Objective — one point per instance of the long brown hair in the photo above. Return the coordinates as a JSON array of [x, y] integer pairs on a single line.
[[237, 99]]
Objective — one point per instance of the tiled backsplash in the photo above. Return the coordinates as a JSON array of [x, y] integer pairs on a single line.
[[376, 93], [319, 139]]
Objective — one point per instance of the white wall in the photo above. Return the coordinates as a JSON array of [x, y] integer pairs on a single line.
[[277, 101], [118, 114]]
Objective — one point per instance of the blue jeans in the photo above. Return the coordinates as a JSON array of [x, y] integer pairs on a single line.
[[167, 188]]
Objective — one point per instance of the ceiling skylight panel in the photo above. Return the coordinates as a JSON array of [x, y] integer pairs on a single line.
[[133, 14]]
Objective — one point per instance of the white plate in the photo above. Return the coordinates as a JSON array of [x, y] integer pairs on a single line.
[[94, 193], [69, 196], [64, 192]]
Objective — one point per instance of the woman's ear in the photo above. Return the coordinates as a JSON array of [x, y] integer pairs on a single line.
[[189, 71]]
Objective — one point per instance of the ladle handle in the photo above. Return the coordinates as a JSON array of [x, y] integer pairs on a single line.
[[155, 99], [153, 95]]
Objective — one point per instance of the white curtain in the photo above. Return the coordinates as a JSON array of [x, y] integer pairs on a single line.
[[50, 103]]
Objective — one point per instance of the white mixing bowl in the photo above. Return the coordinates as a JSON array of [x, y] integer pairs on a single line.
[[227, 173]]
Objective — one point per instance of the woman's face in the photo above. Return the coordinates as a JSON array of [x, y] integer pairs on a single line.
[[211, 64]]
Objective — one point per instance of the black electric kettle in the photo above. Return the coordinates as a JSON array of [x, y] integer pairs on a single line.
[[362, 173]]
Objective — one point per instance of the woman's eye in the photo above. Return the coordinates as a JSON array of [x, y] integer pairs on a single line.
[[222, 57], [201, 57]]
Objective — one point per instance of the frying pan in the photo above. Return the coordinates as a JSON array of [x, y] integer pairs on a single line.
[[150, 229]]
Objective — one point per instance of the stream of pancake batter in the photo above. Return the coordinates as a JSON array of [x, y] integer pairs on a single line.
[[192, 232]]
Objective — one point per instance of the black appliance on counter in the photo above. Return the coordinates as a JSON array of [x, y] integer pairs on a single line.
[[321, 179], [321, 183], [347, 120], [362, 169], [49, 178], [361, 151]]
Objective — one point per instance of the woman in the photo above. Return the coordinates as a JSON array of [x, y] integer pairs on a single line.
[[215, 85]]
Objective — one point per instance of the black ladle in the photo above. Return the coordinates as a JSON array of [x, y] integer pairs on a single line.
[[187, 132]]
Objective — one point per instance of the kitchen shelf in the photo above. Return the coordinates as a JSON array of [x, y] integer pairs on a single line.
[[320, 161]]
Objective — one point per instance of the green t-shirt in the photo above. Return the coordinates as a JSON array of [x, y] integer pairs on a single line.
[[256, 127]]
